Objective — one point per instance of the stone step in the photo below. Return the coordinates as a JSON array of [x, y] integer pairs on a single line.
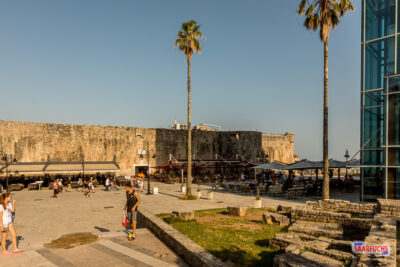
[[295, 243], [323, 260], [293, 260], [317, 229]]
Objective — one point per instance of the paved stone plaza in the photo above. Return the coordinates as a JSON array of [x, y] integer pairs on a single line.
[[40, 219]]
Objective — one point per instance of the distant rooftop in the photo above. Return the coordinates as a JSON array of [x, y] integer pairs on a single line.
[[201, 127]]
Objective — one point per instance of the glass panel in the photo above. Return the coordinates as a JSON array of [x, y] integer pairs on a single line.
[[394, 183], [380, 20], [394, 84], [373, 183], [372, 157], [394, 120], [374, 98], [373, 130], [379, 62], [394, 156]]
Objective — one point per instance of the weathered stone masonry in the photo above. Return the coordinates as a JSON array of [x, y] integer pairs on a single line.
[[66, 142]]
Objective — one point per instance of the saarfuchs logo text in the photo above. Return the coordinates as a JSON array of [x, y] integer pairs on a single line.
[[359, 247]]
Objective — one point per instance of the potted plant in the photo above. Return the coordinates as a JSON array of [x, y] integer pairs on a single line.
[[258, 202], [198, 193], [210, 195], [183, 188]]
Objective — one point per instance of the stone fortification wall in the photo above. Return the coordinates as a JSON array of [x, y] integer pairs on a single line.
[[65, 142], [279, 147]]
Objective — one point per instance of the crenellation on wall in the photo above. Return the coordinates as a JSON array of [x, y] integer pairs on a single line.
[[67, 142]]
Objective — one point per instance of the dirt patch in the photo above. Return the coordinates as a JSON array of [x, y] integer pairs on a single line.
[[72, 240], [244, 226]]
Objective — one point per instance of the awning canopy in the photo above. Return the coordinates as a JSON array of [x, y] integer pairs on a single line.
[[271, 166], [308, 165], [211, 163], [304, 165], [58, 167]]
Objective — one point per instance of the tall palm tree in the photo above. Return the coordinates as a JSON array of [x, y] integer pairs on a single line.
[[188, 42], [324, 15]]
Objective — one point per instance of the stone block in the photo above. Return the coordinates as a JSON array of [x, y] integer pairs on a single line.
[[317, 229], [284, 209], [183, 215], [320, 259], [293, 260], [237, 211], [271, 218], [294, 248]]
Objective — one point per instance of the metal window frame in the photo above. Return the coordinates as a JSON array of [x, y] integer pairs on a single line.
[[385, 94]]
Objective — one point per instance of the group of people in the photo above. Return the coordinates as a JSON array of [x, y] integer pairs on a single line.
[[110, 185], [86, 186], [7, 211]]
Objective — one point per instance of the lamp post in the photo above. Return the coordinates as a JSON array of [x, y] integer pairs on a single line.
[[346, 156], [143, 151], [7, 158]]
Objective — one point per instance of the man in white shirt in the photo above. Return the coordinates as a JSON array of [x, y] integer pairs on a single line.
[[107, 184]]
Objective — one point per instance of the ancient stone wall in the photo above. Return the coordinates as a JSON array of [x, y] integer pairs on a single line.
[[279, 147], [66, 142], [336, 205]]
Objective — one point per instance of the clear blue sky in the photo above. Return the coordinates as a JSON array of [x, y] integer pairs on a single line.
[[114, 63]]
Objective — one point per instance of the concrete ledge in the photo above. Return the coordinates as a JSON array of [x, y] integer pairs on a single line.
[[189, 251]]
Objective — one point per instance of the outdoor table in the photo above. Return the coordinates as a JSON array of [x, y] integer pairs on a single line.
[[35, 185]]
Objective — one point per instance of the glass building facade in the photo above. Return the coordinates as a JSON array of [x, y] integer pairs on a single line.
[[380, 100]]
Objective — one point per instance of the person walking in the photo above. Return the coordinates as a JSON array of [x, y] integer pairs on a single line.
[[60, 186], [7, 208], [80, 185], [90, 187], [55, 189], [141, 184], [107, 184], [69, 188], [132, 202]]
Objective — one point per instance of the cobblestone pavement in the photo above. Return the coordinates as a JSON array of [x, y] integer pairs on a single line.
[[40, 218]]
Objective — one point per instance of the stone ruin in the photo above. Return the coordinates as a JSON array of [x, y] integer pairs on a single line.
[[321, 233], [237, 211]]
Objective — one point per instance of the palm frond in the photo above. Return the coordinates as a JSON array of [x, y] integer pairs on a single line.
[[188, 38], [302, 7], [323, 14]]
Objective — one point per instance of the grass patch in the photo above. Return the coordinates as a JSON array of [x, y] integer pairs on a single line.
[[188, 197], [239, 241]]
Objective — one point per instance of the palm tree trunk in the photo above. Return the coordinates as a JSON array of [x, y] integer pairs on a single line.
[[325, 190], [189, 144]]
